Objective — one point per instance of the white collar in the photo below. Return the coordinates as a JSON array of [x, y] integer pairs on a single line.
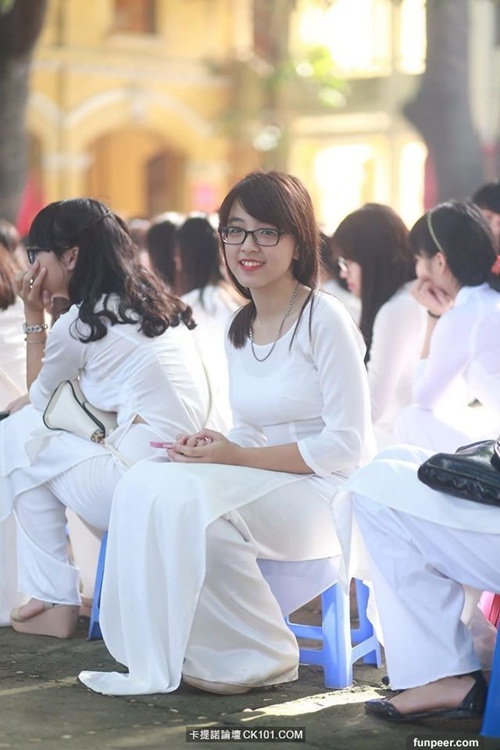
[[466, 292]]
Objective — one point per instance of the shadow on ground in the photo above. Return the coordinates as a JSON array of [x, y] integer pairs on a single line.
[[42, 705]]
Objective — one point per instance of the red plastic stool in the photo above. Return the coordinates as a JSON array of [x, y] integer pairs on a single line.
[[490, 606]]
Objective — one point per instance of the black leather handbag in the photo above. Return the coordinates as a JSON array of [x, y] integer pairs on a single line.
[[472, 473]]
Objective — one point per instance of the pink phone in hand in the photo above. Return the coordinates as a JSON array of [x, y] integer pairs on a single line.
[[166, 446]]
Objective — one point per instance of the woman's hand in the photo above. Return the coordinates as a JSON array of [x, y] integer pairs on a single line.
[[432, 297], [29, 286], [206, 446]]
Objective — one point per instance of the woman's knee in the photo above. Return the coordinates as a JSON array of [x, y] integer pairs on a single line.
[[403, 452], [224, 544]]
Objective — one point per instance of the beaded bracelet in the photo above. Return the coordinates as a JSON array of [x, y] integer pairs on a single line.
[[432, 315], [39, 328]]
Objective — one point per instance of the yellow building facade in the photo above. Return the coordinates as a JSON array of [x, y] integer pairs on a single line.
[[364, 149], [159, 105], [125, 102]]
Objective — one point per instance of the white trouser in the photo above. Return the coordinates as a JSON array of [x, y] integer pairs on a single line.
[[238, 632], [9, 596], [85, 541], [44, 570], [418, 570], [181, 594], [423, 428]]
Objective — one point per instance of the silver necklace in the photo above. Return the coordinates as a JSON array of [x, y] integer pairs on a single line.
[[285, 316]]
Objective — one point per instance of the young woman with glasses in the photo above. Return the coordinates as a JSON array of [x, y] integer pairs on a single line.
[[183, 594], [127, 342], [374, 257]]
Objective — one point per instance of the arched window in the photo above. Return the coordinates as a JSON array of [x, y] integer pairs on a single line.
[[164, 180]]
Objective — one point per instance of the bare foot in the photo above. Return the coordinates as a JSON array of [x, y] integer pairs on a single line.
[[31, 609], [448, 692]]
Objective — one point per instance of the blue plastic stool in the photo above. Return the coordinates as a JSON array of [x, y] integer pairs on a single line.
[[491, 719], [94, 627], [341, 646]]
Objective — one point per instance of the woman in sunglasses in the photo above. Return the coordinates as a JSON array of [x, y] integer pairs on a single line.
[[183, 594], [127, 342]]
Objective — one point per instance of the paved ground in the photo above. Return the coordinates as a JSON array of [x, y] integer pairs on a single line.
[[42, 705]]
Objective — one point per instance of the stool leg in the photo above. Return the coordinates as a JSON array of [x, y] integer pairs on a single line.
[[364, 631], [94, 627], [340, 647], [337, 661], [491, 720]]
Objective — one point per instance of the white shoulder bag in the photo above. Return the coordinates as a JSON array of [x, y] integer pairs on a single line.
[[69, 410]]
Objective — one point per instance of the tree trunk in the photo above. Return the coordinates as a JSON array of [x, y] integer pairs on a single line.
[[441, 111], [19, 30]]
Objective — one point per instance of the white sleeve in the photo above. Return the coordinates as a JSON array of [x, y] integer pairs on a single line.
[[337, 352], [397, 333], [63, 360], [448, 357]]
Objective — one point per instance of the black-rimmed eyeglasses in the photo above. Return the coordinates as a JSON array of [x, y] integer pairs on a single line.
[[262, 237], [33, 250], [343, 264]]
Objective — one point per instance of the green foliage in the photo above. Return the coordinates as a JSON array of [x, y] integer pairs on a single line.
[[319, 67], [314, 69], [6, 5]]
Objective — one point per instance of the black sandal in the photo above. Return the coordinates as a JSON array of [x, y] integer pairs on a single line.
[[472, 706]]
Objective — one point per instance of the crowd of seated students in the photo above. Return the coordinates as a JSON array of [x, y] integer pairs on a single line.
[[305, 385]]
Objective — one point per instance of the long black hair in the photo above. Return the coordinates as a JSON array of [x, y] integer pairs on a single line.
[[459, 230], [279, 200], [375, 237], [197, 244], [160, 245], [106, 268]]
